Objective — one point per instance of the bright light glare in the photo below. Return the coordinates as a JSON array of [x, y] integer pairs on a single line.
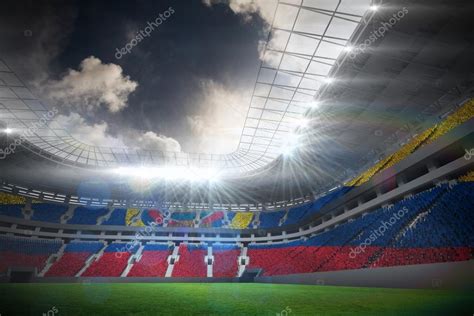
[[8, 130], [303, 123], [348, 48], [374, 7], [290, 144], [314, 104], [328, 80], [169, 173]]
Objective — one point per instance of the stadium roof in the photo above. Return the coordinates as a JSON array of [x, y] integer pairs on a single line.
[[307, 43]]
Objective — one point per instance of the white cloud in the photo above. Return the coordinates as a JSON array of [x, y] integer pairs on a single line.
[[217, 126], [94, 85], [97, 135], [246, 8], [151, 141]]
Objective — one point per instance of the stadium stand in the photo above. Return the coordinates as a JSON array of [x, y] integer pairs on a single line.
[[398, 235], [182, 219], [152, 216], [468, 177], [112, 262], [461, 115], [74, 258], [225, 260], [132, 218], [191, 261], [270, 219], [11, 205], [117, 217], [153, 261], [240, 220], [18, 252], [212, 219], [298, 213], [87, 215], [48, 212]]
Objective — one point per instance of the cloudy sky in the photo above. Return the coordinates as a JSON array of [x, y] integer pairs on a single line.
[[184, 86]]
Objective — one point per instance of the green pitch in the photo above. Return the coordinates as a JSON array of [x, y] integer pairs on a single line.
[[226, 299]]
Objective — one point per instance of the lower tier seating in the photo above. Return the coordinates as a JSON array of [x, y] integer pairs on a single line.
[[153, 262], [68, 265], [225, 261], [191, 261], [26, 252], [74, 259], [112, 263]]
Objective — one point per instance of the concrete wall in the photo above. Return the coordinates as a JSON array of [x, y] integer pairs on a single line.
[[452, 275]]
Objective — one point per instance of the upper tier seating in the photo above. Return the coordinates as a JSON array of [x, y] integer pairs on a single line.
[[26, 252], [270, 219], [468, 177], [152, 216], [48, 212], [117, 217], [298, 213], [225, 260], [182, 219], [153, 261], [87, 215], [212, 219], [191, 261], [11, 205], [132, 219], [240, 220], [74, 258], [461, 115]]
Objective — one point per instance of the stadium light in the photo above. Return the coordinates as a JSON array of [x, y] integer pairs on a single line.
[[169, 173], [8, 130], [374, 7], [328, 80], [348, 48]]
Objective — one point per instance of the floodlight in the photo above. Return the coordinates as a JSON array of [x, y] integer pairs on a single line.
[[8, 130], [328, 80], [374, 7]]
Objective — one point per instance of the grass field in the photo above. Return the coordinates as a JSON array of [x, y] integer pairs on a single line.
[[226, 299]]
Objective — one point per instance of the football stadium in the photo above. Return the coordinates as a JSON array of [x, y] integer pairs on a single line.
[[237, 157]]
